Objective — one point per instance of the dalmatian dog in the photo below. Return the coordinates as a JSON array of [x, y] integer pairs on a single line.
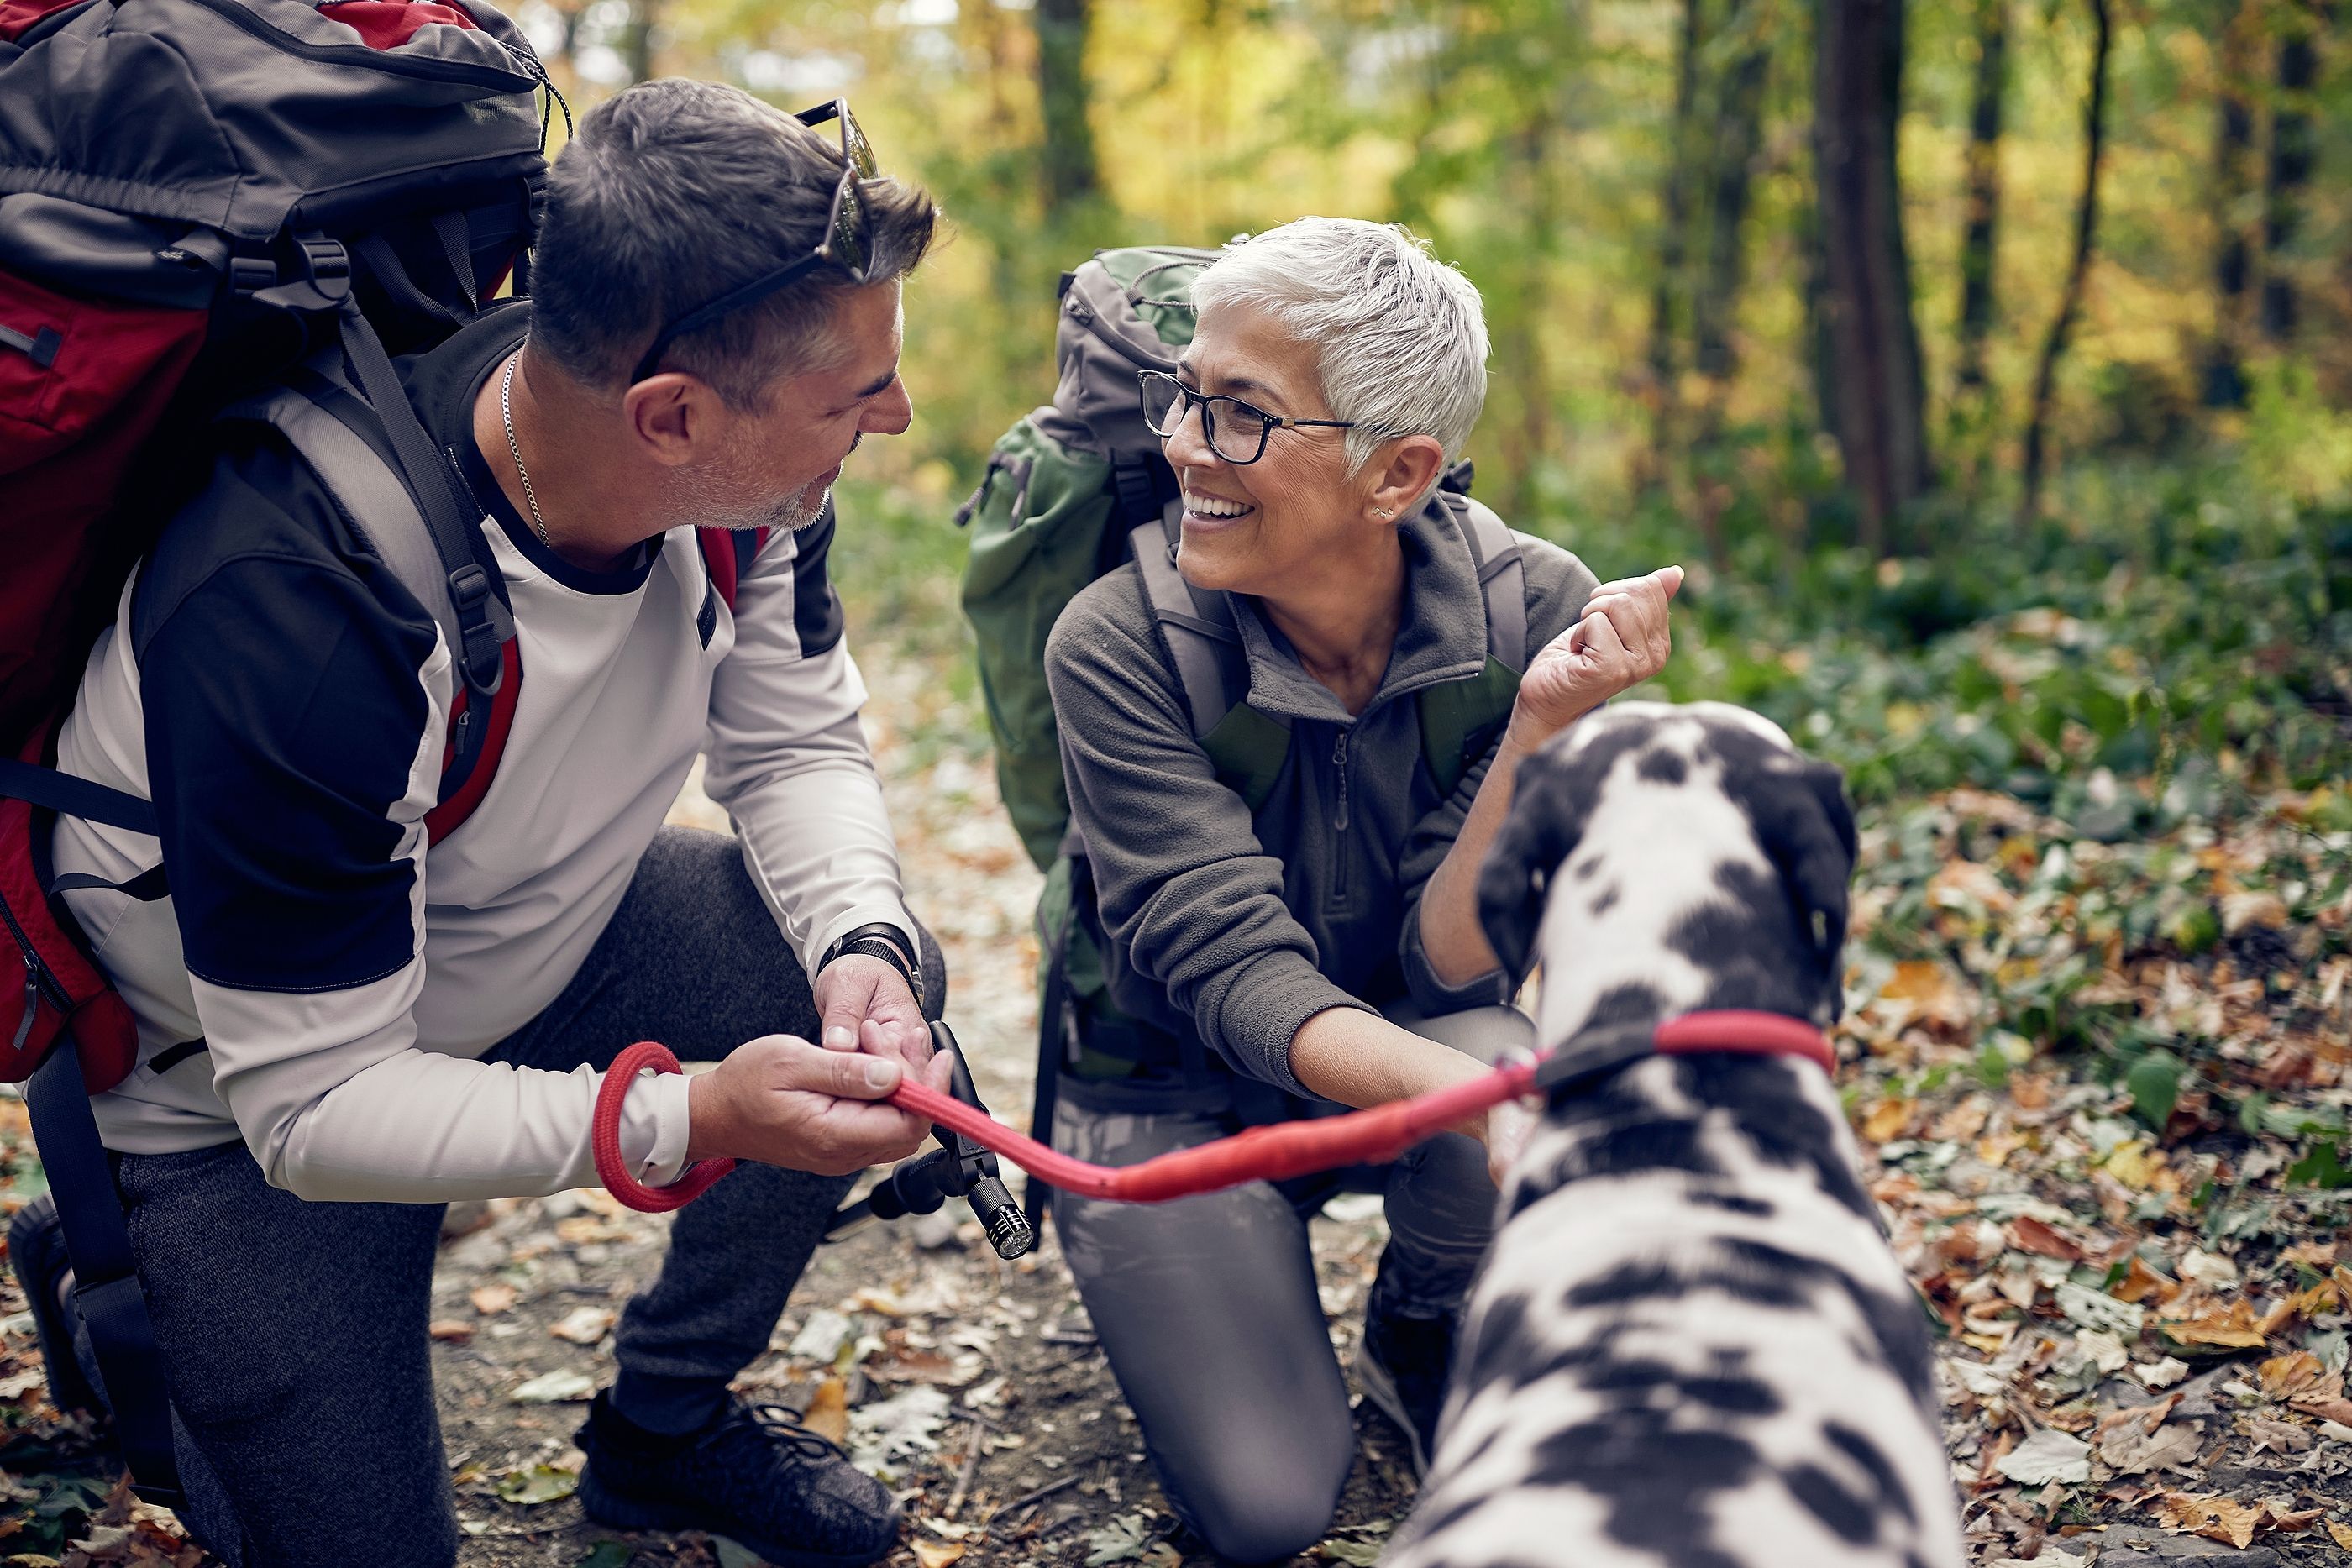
[[1690, 1345]]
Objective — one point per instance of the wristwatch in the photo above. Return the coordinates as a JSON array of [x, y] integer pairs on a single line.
[[885, 942]]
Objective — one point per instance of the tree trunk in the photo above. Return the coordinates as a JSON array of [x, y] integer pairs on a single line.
[[1072, 177], [2225, 377], [1979, 237], [2086, 227], [640, 39], [2293, 147], [1674, 252], [1738, 136], [1880, 401]]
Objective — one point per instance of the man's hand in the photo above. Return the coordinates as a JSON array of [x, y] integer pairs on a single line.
[[855, 990], [784, 1102], [1622, 640]]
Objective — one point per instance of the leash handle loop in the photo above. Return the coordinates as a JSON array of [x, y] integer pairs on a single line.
[[604, 1137]]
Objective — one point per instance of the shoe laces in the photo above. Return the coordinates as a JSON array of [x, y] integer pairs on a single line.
[[781, 1425]]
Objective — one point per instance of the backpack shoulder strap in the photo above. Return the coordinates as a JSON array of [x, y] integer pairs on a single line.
[[1460, 720], [1502, 577], [1248, 747], [329, 428]]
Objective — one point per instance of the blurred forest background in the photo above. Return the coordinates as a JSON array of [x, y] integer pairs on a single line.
[[1892, 319]]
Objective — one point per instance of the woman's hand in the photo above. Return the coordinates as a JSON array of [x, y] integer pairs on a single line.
[[1508, 1127], [1622, 640]]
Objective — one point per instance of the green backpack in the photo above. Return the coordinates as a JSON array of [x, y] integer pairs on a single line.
[[1076, 489]]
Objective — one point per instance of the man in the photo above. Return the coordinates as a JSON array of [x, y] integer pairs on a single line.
[[347, 1021]]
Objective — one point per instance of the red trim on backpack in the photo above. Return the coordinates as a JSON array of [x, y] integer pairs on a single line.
[[69, 432], [719, 546], [101, 1021], [446, 818], [386, 23], [18, 16]]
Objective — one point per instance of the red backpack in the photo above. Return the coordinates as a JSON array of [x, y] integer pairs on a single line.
[[225, 210]]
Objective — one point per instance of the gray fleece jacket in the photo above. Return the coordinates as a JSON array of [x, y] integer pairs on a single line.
[[1241, 927]]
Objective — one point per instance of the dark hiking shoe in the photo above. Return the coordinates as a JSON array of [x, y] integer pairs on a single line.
[[1402, 1366], [37, 1249], [755, 1475]]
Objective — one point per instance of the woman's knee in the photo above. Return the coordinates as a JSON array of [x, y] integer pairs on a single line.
[[1261, 1513], [1488, 1033]]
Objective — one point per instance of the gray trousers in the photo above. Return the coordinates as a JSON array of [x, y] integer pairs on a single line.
[[294, 1331], [1208, 1311]]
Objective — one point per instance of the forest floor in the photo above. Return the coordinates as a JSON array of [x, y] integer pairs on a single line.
[[2142, 1276]]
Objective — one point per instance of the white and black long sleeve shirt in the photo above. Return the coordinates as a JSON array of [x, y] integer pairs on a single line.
[[285, 703]]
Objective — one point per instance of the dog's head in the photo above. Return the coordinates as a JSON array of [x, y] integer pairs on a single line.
[[1672, 858]]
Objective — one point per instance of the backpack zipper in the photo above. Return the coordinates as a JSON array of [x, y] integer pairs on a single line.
[[385, 60], [1339, 895]]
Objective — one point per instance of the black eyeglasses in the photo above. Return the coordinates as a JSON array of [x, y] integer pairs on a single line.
[[848, 232], [1233, 429]]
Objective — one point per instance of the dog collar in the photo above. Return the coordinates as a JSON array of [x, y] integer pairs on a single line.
[[1734, 1031]]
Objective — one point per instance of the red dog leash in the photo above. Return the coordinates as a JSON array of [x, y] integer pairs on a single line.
[[1260, 1154]]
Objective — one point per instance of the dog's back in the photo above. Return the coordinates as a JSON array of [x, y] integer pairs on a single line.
[[1691, 1344]]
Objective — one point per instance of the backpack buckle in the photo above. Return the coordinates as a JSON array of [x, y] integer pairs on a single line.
[[324, 284]]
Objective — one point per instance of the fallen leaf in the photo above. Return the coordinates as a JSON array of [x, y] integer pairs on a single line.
[[2130, 1450], [538, 1484], [564, 1386], [2206, 1269], [2137, 1164], [938, 1554], [2028, 1233], [1886, 1120], [2231, 1327], [607, 1554], [2047, 1456], [2297, 1372], [897, 1427], [1359, 1553], [821, 1337], [450, 1329], [2278, 1436], [1120, 1540], [828, 1411], [2162, 1373], [491, 1300], [2215, 1517], [2336, 1410], [2097, 1309], [2140, 1283], [2340, 1533], [584, 1325]]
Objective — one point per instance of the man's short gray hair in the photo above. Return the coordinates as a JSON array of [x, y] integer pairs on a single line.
[[1400, 336], [671, 193]]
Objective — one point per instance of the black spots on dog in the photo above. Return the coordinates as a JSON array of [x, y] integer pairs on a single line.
[[1552, 799], [1733, 1203], [1764, 1100], [1656, 1477], [1660, 766], [1847, 1515], [1586, 869], [1873, 1463], [1626, 1002], [1606, 899]]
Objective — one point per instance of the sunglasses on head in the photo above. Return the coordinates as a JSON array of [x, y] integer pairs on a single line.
[[847, 243]]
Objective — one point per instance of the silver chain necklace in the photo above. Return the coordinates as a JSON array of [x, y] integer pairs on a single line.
[[506, 413]]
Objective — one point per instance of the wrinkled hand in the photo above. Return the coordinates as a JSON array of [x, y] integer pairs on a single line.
[[1621, 641], [855, 990], [1508, 1127], [783, 1101]]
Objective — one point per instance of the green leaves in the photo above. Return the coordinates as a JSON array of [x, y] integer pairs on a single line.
[[2155, 1083], [2323, 1168]]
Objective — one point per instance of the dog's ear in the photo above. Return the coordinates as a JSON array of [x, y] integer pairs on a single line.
[[1546, 819], [1802, 819]]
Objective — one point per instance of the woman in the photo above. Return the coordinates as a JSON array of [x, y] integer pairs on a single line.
[[1315, 935]]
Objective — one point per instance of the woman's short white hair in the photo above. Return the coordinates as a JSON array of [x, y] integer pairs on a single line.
[[1401, 337]]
